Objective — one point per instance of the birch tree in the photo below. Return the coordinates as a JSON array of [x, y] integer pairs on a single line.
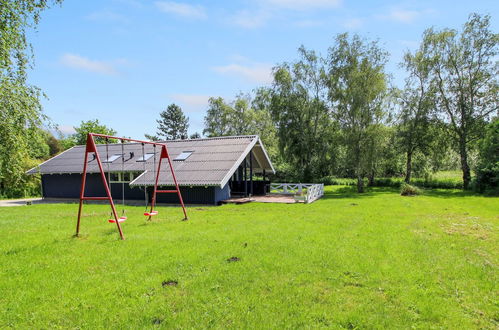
[[465, 70], [357, 89]]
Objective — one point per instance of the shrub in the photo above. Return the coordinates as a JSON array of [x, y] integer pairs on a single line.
[[408, 190], [487, 171], [333, 181]]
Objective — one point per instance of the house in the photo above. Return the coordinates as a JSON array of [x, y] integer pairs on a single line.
[[208, 170]]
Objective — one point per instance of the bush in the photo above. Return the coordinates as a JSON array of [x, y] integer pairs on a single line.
[[409, 190], [487, 171], [333, 181]]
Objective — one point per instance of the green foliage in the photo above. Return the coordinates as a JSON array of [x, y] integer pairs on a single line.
[[195, 135], [173, 124], [16, 17], [218, 118], [307, 136], [20, 115], [152, 137], [409, 190], [417, 102], [246, 115], [439, 180], [19, 119], [487, 171], [376, 260], [55, 146], [91, 126], [357, 90], [463, 67]]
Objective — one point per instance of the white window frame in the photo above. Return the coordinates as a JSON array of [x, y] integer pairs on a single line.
[[120, 177], [112, 158], [145, 157], [186, 155]]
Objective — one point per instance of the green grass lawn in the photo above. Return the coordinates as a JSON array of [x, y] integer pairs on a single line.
[[375, 260]]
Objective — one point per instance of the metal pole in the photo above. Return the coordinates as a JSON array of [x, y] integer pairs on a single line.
[[245, 178], [82, 190], [178, 188], [264, 183], [251, 173], [153, 202], [108, 192], [41, 182]]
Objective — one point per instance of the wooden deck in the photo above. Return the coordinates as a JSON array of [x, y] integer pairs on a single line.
[[274, 198]]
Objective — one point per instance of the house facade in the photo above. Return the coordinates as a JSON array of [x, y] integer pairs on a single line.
[[208, 170]]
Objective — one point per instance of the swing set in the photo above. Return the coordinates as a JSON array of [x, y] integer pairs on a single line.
[[91, 147]]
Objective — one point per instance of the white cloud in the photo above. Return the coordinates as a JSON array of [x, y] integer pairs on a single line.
[[66, 129], [192, 102], [132, 3], [309, 23], [106, 15], [265, 10], [250, 20], [79, 62], [258, 72], [181, 9], [353, 23], [405, 15], [302, 4]]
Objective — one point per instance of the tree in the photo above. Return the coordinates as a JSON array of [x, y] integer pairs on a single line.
[[91, 126], [21, 111], [246, 115], [357, 89], [301, 115], [54, 145], [464, 69], [173, 124], [416, 105], [195, 135], [152, 137], [487, 171], [217, 121]]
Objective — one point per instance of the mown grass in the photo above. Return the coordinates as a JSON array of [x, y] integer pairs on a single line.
[[377, 260]]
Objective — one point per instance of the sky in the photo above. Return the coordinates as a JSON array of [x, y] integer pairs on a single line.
[[125, 61]]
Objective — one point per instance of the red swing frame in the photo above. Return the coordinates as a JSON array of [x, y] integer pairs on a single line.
[[91, 147]]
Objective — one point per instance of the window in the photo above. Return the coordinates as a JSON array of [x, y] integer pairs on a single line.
[[114, 177], [184, 155], [112, 158], [121, 177], [145, 157]]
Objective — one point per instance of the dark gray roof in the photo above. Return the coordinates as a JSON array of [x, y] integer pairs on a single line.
[[213, 161]]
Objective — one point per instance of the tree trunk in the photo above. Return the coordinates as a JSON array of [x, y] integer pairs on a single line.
[[360, 184], [371, 178], [408, 167], [464, 163]]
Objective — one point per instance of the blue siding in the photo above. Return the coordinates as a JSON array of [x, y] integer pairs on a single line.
[[68, 186], [222, 194]]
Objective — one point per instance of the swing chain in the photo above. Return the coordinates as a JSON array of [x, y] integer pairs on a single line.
[[144, 171], [122, 178]]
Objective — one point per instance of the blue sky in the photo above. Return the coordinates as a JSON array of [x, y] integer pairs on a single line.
[[124, 61]]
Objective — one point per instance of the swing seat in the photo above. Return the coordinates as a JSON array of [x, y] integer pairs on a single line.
[[150, 214], [120, 220]]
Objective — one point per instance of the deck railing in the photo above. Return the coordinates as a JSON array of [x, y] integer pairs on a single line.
[[307, 192]]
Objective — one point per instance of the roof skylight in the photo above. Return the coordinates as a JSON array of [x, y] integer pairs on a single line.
[[184, 155], [112, 158], [145, 157]]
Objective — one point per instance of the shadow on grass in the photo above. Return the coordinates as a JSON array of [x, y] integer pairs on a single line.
[[452, 193], [351, 192]]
